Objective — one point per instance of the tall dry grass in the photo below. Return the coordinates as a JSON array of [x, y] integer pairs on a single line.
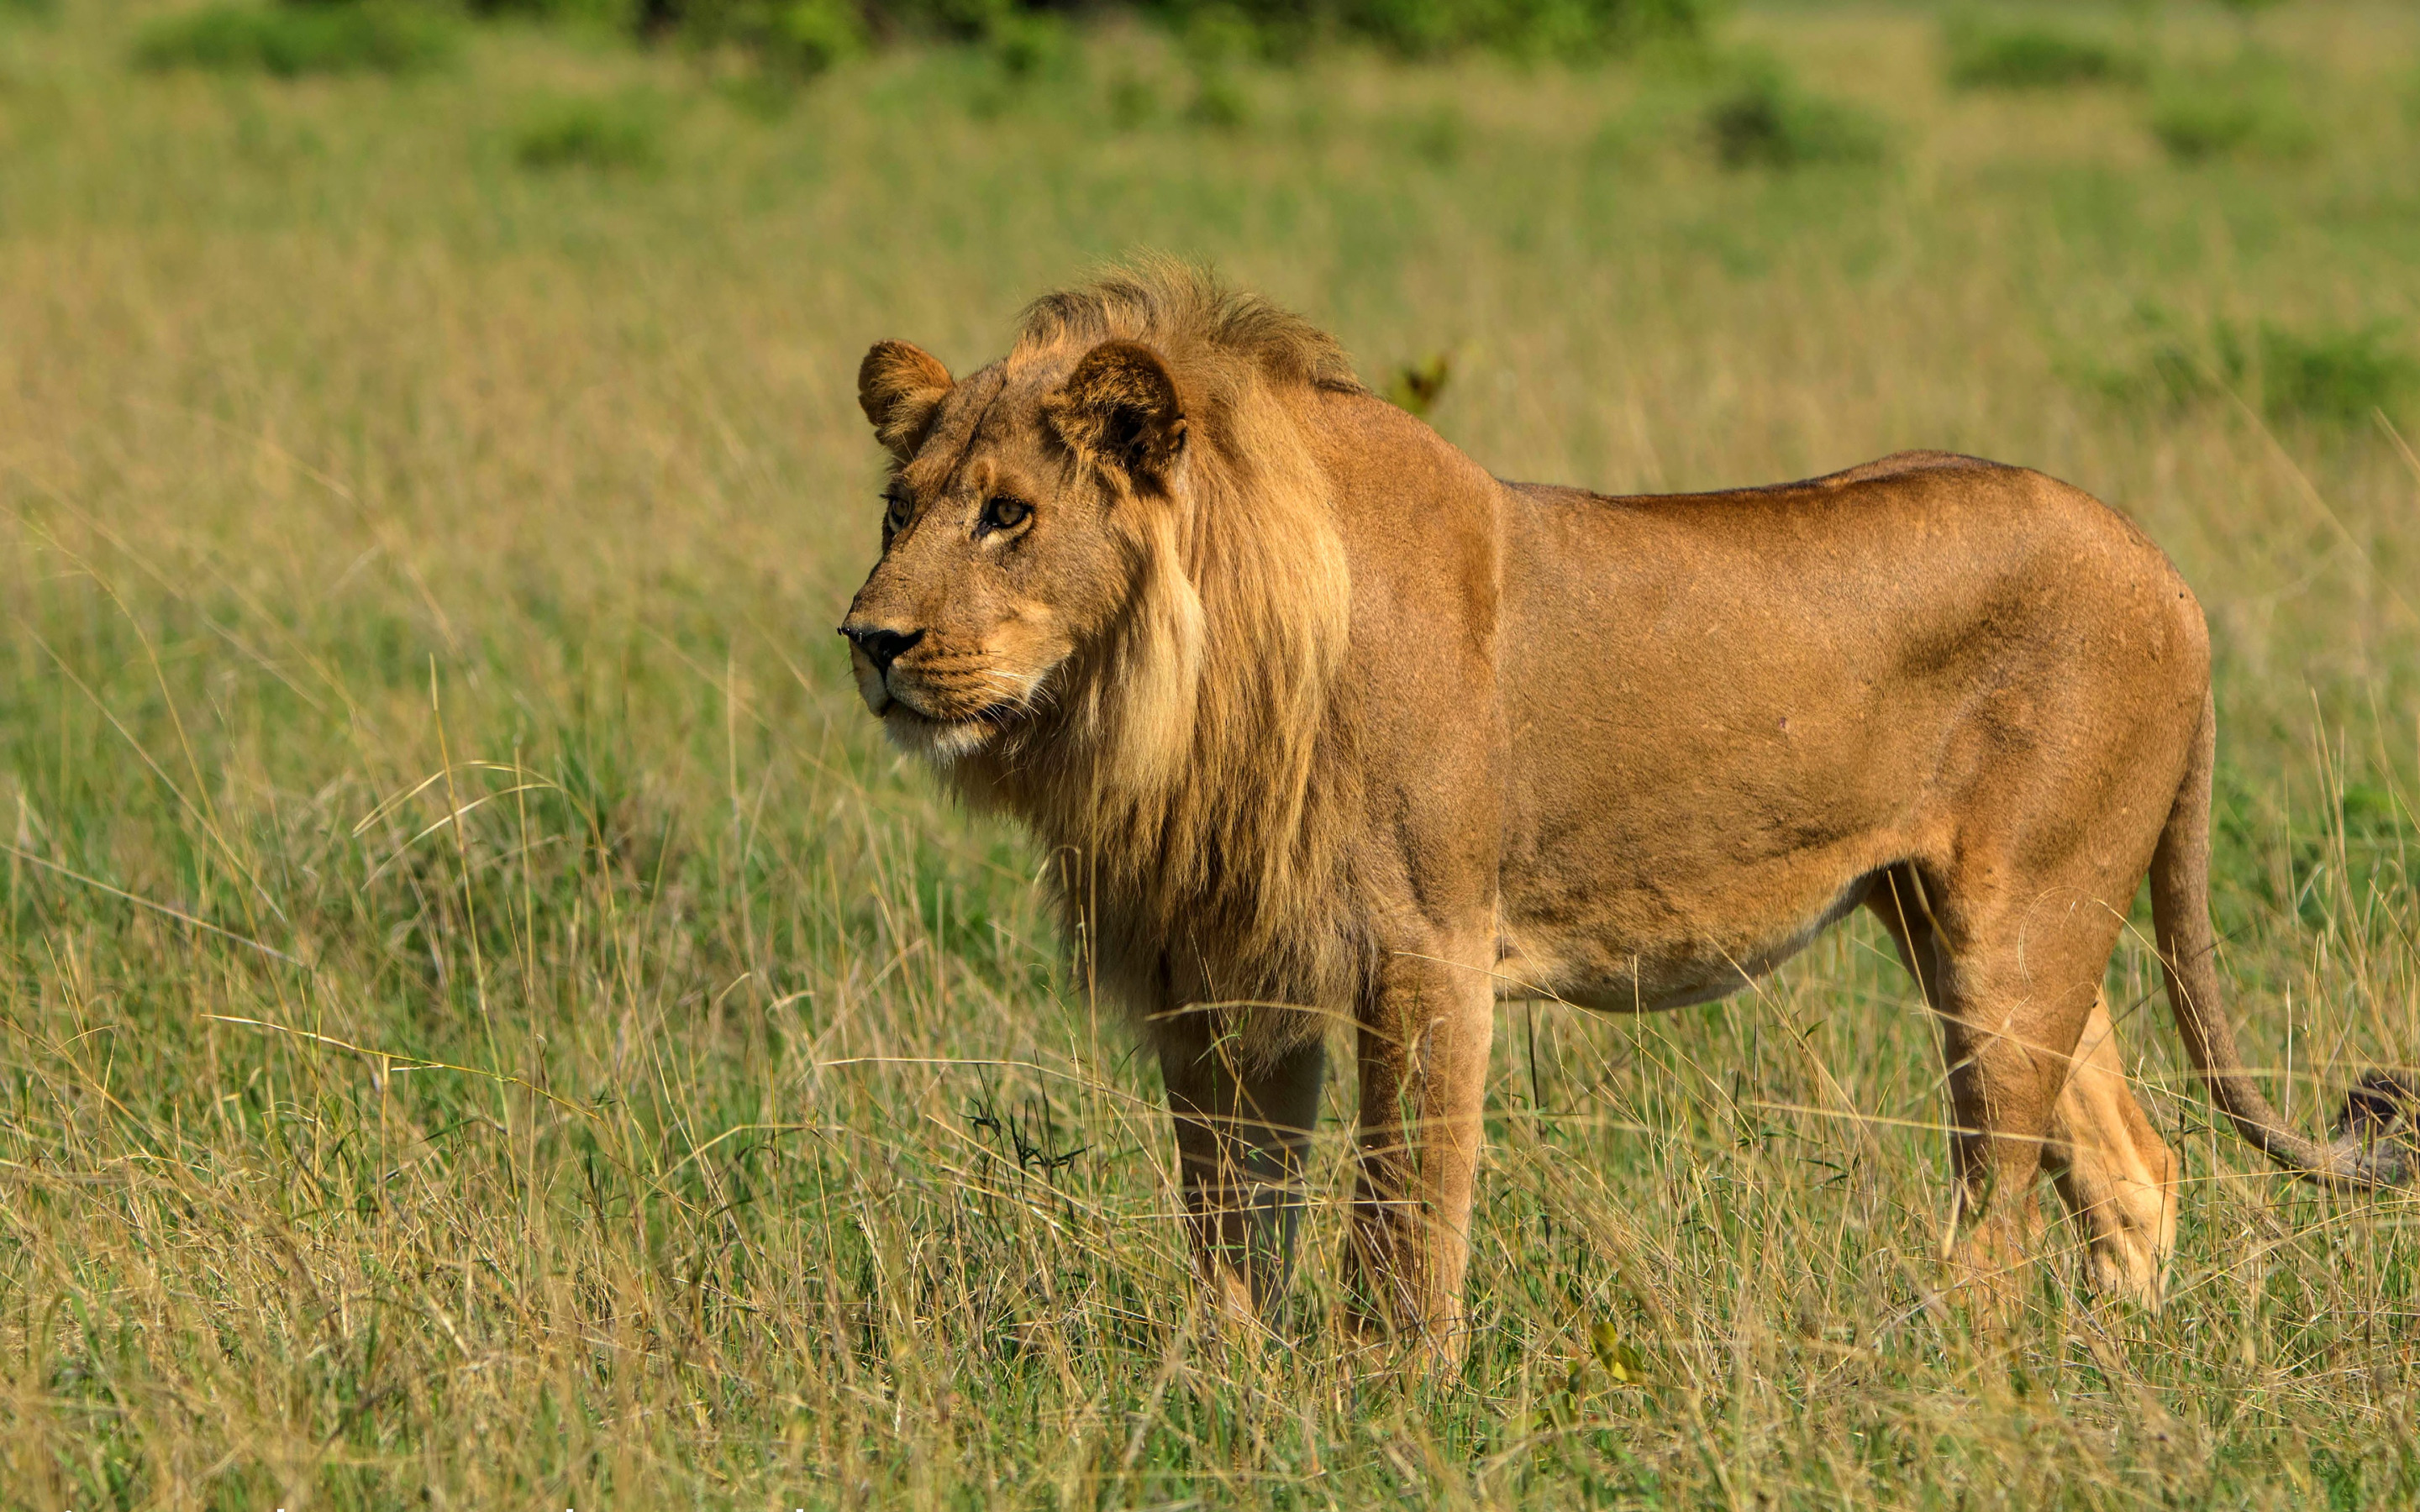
[[485, 1022]]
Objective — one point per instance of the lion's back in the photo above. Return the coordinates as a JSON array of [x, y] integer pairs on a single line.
[[1914, 539]]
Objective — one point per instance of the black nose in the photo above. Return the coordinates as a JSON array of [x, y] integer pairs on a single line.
[[883, 646]]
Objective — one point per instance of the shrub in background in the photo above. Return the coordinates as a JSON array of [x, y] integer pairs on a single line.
[[2245, 105], [2195, 127], [593, 133], [864, 20], [2034, 56], [1435, 136], [1767, 122], [1534, 27], [298, 38], [1029, 44], [1218, 100], [2336, 376], [1133, 100], [609, 12], [2201, 116], [801, 37], [1270, 28]]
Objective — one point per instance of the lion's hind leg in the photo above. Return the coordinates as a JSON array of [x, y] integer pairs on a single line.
[[2012, 975], [2117, 1176]]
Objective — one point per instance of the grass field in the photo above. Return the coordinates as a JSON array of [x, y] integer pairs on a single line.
[[428, 500]]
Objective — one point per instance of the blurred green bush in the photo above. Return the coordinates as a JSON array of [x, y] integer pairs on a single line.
[[2198, 123], [1768, 122], [2332, 375], [299, 38], [803, 37], [2034, 56], [2335, 375], [624, 132], [814, 33], [1426, 27], [2246, 106]]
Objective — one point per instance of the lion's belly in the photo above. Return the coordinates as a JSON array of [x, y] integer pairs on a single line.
[[1635, 947]]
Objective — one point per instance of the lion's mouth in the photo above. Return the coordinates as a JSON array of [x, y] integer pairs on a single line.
[[949, 711], [947, 734], [919, 704], [991, 717]]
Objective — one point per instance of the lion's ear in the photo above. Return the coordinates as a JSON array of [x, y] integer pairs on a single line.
[[899, 387], [1120, 407]]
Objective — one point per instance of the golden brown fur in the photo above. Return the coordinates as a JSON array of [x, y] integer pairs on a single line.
[[1319, 721]]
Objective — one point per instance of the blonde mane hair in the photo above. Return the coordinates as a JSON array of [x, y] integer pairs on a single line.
[[1192, 779]]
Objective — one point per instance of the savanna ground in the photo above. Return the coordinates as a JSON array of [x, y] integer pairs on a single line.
[[428, 502]]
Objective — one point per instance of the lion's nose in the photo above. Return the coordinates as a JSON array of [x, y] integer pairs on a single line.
[[881, 647]]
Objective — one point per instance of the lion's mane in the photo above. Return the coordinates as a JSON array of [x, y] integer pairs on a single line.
[[1190, 772]]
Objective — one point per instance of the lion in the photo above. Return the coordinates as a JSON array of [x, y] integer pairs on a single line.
[[1320, 722]]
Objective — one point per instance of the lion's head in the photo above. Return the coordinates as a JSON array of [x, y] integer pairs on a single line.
[[1069, 533], [1016, 533]]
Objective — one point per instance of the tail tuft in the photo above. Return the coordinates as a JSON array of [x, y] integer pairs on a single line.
[[2381, 1120]]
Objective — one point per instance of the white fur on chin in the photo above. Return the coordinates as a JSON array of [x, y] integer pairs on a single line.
[[939, 741]]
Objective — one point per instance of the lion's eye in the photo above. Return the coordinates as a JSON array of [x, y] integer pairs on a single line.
[[1006, 513], [894, 511]]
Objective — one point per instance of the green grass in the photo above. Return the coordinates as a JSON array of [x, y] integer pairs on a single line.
[[421, 574]]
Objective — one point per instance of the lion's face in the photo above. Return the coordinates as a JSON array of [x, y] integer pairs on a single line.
[[1003, 548]]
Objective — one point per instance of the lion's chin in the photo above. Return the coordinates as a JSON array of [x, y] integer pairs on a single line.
[[940, 741]]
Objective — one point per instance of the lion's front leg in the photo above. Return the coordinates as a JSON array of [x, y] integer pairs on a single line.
[[1243, 1123], [1424, 1038]]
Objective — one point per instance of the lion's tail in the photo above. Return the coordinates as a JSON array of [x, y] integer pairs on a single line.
[[2368, 1150]]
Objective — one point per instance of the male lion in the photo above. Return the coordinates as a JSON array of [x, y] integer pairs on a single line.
[[1319, 720]]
